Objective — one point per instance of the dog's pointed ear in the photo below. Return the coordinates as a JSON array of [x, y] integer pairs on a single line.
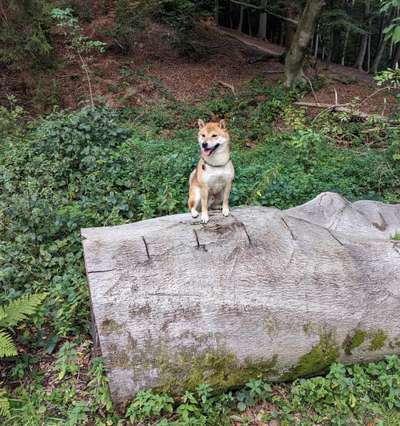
[[200, 123], [222, 124]]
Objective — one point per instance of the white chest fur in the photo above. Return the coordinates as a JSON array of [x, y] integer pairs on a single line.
[[217, 177]]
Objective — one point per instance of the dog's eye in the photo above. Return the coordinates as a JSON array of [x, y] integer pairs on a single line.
[[203, 136], [214, 136]]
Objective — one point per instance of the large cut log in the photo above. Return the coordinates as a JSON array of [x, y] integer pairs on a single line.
[[278, 293]]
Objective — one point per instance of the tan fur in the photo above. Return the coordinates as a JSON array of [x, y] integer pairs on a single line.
[[211, 181]]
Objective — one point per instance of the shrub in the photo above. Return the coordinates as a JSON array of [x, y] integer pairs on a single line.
[[25, 34]]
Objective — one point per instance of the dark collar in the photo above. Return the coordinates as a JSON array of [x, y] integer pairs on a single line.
[[216, 165]]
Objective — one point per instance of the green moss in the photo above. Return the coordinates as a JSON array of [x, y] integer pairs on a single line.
[[120, 359], [109, 326], [220, 369], [378, 340], [353, 342], [317, 360], [310, 328], [270, 325]]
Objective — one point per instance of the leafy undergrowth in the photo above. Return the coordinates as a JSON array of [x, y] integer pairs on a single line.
[[100, 166], [75, 392]]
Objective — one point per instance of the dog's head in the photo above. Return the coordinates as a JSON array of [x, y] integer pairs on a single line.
[[212, 137]]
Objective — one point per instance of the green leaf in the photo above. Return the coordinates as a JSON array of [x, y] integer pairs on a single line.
[[7, 346], [19, 309], [4, 404]]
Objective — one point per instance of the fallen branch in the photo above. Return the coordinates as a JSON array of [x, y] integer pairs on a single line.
[[344, 108], [249, 41], [273, 72], [264, 9], [228, 86]]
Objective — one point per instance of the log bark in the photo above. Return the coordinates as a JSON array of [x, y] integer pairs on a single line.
[[304, 33], [280, 294]]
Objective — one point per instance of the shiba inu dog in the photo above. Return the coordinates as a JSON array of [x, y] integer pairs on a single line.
[[210, 182]]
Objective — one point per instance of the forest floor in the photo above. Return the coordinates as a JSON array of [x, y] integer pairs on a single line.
[[155, 69]]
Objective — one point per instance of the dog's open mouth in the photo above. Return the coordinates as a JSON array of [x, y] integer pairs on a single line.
[[209, 150]]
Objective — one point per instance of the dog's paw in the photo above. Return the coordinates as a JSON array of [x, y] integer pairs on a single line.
[[194, 213], [204, 218], [226, 211]]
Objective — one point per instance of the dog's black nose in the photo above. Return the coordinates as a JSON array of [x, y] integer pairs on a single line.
[[204, 144]]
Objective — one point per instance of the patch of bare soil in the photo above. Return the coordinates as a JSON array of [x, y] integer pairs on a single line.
[[348, 85]]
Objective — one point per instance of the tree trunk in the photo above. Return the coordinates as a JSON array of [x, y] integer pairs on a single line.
[[396, 60], [290, 27], [216, 12], [240, 28], [382, 45], [262, 23], [364, 40], [346, 40], [316, 46], [329, 48], [282, 34], [304, 33], [369, 53], [280, 294], [378, 56]]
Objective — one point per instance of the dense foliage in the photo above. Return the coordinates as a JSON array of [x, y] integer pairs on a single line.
[[99, 166], [25, 33]]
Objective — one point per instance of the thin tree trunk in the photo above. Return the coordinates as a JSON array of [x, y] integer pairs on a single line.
[[240, 28], [346, 37], [86, 70], [330, 48], [364, 40], [316, 46], [346, 40], [305, 31], [378, 56], [249, 22], [262, 23], [363, 50], [282, 35], [369, 52], [216, 12], [381, 47], [290, 28], [396, 60]]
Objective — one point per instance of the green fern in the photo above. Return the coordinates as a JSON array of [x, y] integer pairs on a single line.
[[10, 315], [19, 309], [4, 404], [7, 346]]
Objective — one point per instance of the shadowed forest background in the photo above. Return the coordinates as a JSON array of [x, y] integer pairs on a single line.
[[99, 101]]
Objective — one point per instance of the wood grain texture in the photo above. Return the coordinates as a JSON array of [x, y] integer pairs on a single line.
[[283, 293]]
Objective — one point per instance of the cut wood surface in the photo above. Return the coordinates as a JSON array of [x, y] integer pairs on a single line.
[[277, 293]]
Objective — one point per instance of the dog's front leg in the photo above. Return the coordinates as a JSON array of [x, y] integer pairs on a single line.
[[225, 204], [204, 203]]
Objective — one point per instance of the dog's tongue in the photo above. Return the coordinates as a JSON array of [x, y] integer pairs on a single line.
[[206, 151]]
